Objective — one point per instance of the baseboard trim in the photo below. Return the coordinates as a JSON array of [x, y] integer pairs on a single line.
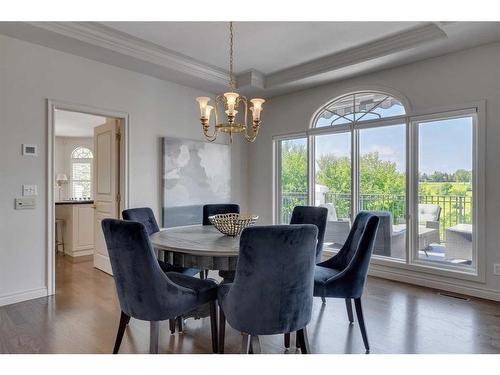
[[80, 253], [430, 282], [9, 299]]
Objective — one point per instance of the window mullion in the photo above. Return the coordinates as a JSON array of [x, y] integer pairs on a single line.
[[354, 172]]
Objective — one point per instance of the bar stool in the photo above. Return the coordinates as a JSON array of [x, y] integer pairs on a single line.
[[59, 235]]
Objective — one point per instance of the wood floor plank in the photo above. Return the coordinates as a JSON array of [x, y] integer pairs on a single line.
[[83, 317]]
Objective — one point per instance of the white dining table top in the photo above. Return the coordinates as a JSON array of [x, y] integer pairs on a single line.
[[198, 240]]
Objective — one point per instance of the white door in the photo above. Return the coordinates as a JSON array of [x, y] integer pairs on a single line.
[[106, 186]]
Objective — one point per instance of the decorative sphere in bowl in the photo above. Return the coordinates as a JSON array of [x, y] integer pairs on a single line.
[[232, 224]]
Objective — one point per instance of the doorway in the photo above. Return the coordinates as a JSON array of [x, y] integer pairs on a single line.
[[87, 181]]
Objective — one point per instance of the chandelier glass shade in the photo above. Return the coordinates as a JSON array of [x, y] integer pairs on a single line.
[[235, 107]]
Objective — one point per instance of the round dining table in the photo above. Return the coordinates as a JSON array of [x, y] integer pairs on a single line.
[[197, 246]]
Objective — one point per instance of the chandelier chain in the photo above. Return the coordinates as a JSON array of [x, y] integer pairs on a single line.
[[231, 74]]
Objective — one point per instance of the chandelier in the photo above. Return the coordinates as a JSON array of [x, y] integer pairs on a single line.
[[230, 101]]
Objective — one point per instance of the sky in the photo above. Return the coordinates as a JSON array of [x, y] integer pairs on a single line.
[[444, 145]]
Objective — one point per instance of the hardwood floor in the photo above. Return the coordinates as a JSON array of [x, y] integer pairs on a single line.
[[83, 317]]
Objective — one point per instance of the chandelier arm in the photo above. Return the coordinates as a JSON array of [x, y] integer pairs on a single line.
[[255, 132], [206, 126], [245, 102]]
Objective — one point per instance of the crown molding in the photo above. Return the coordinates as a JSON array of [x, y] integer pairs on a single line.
[[101, 36], [99, 42], [356, 55]]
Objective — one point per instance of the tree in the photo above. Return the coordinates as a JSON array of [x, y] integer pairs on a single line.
[[382, 185], [294, 168], [462, 175], [293, 178]]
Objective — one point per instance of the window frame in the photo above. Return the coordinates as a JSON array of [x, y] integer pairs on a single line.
[[89, 161], [410, 119]]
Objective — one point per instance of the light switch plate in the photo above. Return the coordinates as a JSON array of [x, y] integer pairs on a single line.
[[27, 203], [30, 190]]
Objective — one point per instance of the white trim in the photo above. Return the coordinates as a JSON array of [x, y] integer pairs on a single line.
[[52, 105], [356, 55], [432, 281], [25, 295], [101, 36]]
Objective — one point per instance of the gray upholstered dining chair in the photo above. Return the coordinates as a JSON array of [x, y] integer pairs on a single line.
[[215, 209], [273, 287], [344, 275], [146, 216], [145, 292], [310, 215]]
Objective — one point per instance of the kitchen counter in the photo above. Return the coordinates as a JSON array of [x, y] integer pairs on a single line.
[[75, 202], [78, 226]]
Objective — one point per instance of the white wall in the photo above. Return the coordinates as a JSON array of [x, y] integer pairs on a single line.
[[63, 147], [29, 74], [458, 78]]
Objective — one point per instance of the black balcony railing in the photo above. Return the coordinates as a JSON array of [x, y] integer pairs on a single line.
[[455, 209]]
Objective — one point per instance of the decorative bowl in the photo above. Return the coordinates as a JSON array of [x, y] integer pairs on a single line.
[[232, 224]]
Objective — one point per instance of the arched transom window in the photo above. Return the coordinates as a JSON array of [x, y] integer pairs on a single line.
[[359, 107], [81, 172]]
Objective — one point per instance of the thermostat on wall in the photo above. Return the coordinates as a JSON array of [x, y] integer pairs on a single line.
[[30, 150]]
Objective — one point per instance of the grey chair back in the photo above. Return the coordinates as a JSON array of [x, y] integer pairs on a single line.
[[143, 215], [215, 209], [273, 287], [382, 244], [312, 215], [352, 260]]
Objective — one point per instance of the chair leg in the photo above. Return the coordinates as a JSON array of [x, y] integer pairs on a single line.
[[245, 343], [323, 299], [202, 275], [154, 334], [206, 274], [213, 326], [171, 324], [124, 319], [255, 344], [287, 340], [180, 324], [303, 341], [348, 305], [361, 320], [222, 330]]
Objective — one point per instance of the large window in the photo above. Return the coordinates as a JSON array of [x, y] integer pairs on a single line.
[[81, 172], [365, 152]]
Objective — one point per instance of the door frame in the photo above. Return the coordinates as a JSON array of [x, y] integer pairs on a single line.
[[52, 105]]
